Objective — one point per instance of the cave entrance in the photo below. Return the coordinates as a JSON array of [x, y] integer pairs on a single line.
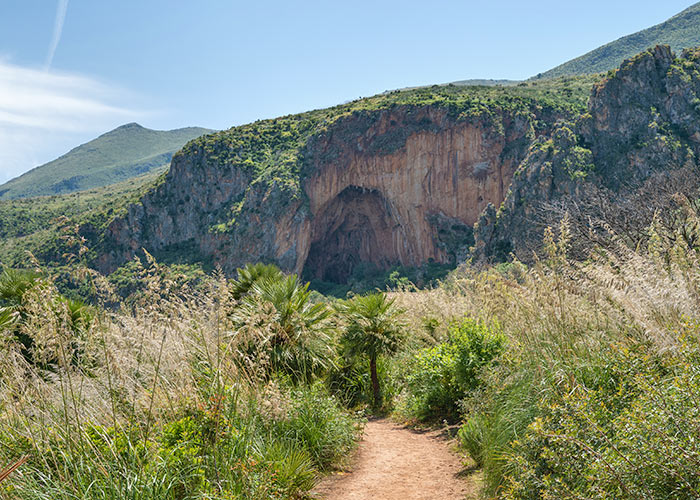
[[354, 234]]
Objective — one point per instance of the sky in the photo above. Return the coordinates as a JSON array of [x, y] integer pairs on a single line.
[[71, 70]]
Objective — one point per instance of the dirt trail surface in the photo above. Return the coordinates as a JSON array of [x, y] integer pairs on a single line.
[[397, 463]]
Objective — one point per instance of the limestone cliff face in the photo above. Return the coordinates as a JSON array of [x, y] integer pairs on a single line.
[[381, 183], [403, 207], [614, 167], [394, 186]]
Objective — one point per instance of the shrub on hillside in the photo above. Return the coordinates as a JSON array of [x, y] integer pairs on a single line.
[[635, 436], [441, 376]]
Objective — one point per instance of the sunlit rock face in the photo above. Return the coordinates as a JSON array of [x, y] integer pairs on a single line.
[[396, 186], [408, 206], [611, 171]]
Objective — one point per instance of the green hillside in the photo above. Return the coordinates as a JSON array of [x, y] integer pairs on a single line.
[[125, 152], [33, 224], [680, 32]]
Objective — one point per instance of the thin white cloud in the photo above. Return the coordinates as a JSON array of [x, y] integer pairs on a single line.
[[43, 115], [61, 10]]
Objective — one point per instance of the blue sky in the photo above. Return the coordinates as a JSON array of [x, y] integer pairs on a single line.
[[73, 69]]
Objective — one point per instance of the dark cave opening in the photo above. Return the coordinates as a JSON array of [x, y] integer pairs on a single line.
[[354, 232]]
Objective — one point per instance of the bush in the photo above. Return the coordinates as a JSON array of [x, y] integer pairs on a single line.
[[634, 438], [164, 401], [350, 382], [315, 423], [441, 376]]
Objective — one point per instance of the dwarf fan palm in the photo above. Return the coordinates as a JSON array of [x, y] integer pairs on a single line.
[[296, 337], [372, 329], [250, 274]]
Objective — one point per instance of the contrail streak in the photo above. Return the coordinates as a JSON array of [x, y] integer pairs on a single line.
[[57, 30]]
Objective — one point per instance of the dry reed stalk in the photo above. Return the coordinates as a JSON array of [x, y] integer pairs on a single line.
[[10, 469]]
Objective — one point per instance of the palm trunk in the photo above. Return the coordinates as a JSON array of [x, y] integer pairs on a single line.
[[375, 382]]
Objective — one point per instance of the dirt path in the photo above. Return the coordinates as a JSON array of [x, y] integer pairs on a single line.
[[397, 463]]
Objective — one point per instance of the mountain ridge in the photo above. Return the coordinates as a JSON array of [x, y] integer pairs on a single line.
[[612, 171], [387, 169], [680, 31], [117, 155]]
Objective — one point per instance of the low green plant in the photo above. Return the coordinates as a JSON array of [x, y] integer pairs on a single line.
[[317, 424], [441, 376], [632, 436], [351, 382]]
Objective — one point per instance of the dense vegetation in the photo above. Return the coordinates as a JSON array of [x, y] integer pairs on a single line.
[[177, 395], [125, 152], [38, 224], [682, 31], [567, 379], [273, 151], [594, 394]]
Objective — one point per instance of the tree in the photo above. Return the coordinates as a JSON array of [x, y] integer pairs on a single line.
[[251, 274], [295, 330], [372, 329]]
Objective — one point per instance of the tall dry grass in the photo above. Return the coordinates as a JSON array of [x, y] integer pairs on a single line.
[[159, 398], [564, 321]]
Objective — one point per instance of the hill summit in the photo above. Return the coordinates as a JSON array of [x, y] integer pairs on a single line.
[[682, 31], [120, 154]]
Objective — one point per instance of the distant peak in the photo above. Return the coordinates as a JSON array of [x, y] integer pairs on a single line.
[[132, 128], [130, 125]]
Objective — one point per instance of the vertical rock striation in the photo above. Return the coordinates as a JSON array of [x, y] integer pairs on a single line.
[[402, 185]]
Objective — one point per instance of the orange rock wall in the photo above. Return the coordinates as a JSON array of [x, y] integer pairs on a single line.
[[454, 172]]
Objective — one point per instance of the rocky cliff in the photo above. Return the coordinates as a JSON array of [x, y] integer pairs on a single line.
[[613, 168], [402, 178], [397, 179]]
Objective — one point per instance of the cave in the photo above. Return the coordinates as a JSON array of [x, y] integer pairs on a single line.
[[354, 233]]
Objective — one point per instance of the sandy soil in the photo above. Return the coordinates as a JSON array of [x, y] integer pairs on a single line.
[[397, 463]]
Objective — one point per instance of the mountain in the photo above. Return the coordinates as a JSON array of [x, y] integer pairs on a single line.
[[630, 160], [395, 179], [36, 224], [485, 82], [679, 32], [125, 152], [431, 175]]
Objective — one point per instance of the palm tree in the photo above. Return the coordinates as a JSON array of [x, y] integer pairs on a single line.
[[14, 286], [14, 283], [298, 342], [372, 329], [250, 274]]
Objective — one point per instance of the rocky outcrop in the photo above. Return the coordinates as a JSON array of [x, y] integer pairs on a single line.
[[402, 185], [613, 168], [378, 183], [408, 205]]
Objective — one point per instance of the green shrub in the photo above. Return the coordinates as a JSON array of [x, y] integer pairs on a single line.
[[315, 423], [635, 437], [496, 415], [472, 436], [441, 376], [350, 382]]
